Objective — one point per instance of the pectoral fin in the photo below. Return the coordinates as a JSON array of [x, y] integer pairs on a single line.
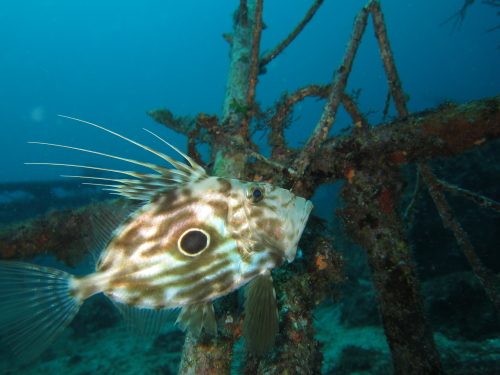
[[261, 323]]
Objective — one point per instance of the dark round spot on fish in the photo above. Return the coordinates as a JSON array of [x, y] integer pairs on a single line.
[[193, 242]]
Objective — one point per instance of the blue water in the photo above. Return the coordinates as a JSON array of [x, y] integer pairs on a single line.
[[109, 62]]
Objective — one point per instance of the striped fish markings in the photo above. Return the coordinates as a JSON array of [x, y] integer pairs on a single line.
[[195, 239]]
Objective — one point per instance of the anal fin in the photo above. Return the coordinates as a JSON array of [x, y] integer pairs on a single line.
[[145, 322], [261, 323], [198, 316]]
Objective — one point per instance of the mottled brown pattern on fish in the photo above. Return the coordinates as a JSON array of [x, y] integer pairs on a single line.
[[225, 185], [129, 279], [257, 213], [221, 285], [170, 209], [168, 277], [194, 278], [197, 288], [215, 238], [194, 239], [269, 226]]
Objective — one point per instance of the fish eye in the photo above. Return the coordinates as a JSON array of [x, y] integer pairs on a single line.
[[255, 193], [193, 242]]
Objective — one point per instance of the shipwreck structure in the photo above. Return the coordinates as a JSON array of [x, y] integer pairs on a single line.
[[367, 158]]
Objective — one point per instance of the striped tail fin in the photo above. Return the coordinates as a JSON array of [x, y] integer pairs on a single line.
[[35, 307]]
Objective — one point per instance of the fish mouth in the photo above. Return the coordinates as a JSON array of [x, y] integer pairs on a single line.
[[277, 230], [283, 240], [296, 219]]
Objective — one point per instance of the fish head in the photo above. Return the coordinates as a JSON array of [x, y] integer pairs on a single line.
[[264, 217]]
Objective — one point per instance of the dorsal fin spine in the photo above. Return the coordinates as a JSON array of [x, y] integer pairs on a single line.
[[147, 185]]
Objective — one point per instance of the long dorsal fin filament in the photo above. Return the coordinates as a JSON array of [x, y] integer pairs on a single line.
[[147, 185]]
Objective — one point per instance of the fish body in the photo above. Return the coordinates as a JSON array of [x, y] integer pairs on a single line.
[[206, 232], [196, 238]]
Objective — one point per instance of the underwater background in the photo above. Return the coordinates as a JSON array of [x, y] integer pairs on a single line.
[[109, 62]]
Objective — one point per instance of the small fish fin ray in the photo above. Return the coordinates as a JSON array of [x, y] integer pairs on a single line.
[[35, 307], [146, 323], [104, 223], [194, 168], [198, 316], [261, 323]]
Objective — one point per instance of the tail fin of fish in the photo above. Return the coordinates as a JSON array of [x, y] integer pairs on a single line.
[[35, 307]]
